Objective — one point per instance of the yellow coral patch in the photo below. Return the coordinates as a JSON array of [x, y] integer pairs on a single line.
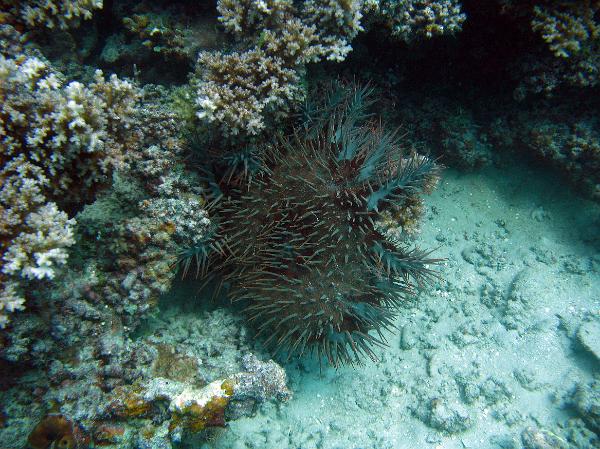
[[135, 406]]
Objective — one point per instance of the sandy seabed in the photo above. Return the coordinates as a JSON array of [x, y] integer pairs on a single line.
[[490, 356]]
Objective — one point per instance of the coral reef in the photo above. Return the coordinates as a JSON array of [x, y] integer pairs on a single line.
[[573, 146], [51, 13], [54, 136], [39, 245], [300, 246], [142, 209], [75, 134], [304, 216], [420, 19], [337, 23], [150, 406], [566, 27], [571, 33], [248, 18], [245, 92], [562, 135], [136, 209], [195, 409], [10, 301], [152, 42], [319, 29]]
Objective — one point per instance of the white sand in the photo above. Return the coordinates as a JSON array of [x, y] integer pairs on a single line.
[[490, 350]]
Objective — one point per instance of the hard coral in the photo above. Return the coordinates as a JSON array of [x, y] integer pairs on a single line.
[[244, 92], [53, 136], [251, 17], [56, 431], [301, 247], [52, 14], [75, 133], [322, 29], [10, 301], [571, 31], [567, 27], [337, 23], [418, 19]]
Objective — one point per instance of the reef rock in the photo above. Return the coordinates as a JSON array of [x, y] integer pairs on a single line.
[[589, 337]]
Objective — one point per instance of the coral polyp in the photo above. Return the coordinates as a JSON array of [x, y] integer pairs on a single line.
[[300, 243]]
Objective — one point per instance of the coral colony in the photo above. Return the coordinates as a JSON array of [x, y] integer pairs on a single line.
[[238, 152]]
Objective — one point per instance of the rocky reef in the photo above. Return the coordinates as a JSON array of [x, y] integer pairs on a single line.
[[156, 154], [97, 204]]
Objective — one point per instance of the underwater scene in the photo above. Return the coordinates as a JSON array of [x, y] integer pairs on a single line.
[[300, 224]]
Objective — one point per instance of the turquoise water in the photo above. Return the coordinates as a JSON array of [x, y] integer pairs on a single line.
[[209, 212]]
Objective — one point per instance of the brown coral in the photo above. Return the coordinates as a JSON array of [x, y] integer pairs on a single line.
[[244, 92], [197, 417], [567, 27], [58, 432], [571, 32]]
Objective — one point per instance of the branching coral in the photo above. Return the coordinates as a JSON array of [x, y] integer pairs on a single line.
[[571, 32], [323, 28], [10, 301], [301, 247], [283, 37], [296, 43], [251, 17], [54, 137], [337, 23], [39, 245], [418, 19], [75, 133], [49, 13], [244, 92], [567, 27], [34, 234]]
